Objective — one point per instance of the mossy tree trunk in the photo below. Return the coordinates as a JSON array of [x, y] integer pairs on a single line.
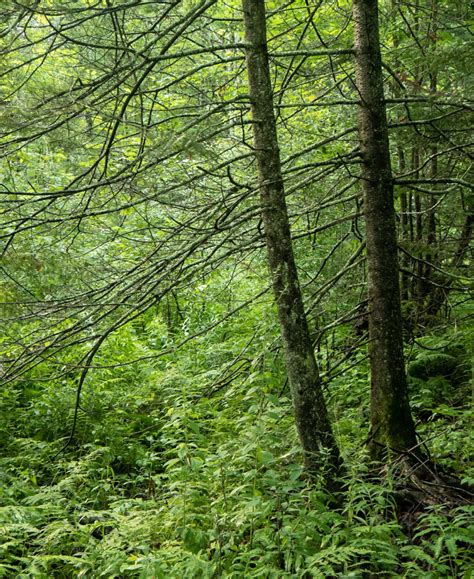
[[391, 421], [310, 411]]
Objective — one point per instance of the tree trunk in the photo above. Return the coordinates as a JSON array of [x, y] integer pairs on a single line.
[[430, 291], [392, 425], [404, 225], [404, 234], [310, 411]]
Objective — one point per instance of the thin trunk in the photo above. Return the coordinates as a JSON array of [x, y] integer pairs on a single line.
[[465, 240], [310, 411], [430, 291], [417, 290], [391, 421], [410, 217], [418, 282], [439, 296], [404, 227]]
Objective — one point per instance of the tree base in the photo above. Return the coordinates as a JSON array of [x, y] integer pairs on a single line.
[[421, 485]]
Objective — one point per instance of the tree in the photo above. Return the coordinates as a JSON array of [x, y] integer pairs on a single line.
[[117, 111], [312, 420], [392, 425], [428, 65], [126, 130]]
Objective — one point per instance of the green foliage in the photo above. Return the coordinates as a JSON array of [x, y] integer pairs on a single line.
[[176, 473], [185, 461], [440, 372], [432, 365]]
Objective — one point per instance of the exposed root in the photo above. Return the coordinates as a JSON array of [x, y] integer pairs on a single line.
[[420, 485]]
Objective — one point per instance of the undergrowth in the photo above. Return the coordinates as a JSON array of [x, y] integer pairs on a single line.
[[176, 472]]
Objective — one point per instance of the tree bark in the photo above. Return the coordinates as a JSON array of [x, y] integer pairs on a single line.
[[430, 291], [312, 421], [392, 426], [405, 282]]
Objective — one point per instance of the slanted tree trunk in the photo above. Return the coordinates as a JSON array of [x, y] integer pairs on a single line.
[[310, 411], [392, 425]]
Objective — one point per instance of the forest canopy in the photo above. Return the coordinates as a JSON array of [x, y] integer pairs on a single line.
[[236, 244]]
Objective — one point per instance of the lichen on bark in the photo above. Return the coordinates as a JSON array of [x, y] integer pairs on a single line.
[[311, 416], [392, 426]]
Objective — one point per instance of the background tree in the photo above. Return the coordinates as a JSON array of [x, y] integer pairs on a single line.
[[430, 130]]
